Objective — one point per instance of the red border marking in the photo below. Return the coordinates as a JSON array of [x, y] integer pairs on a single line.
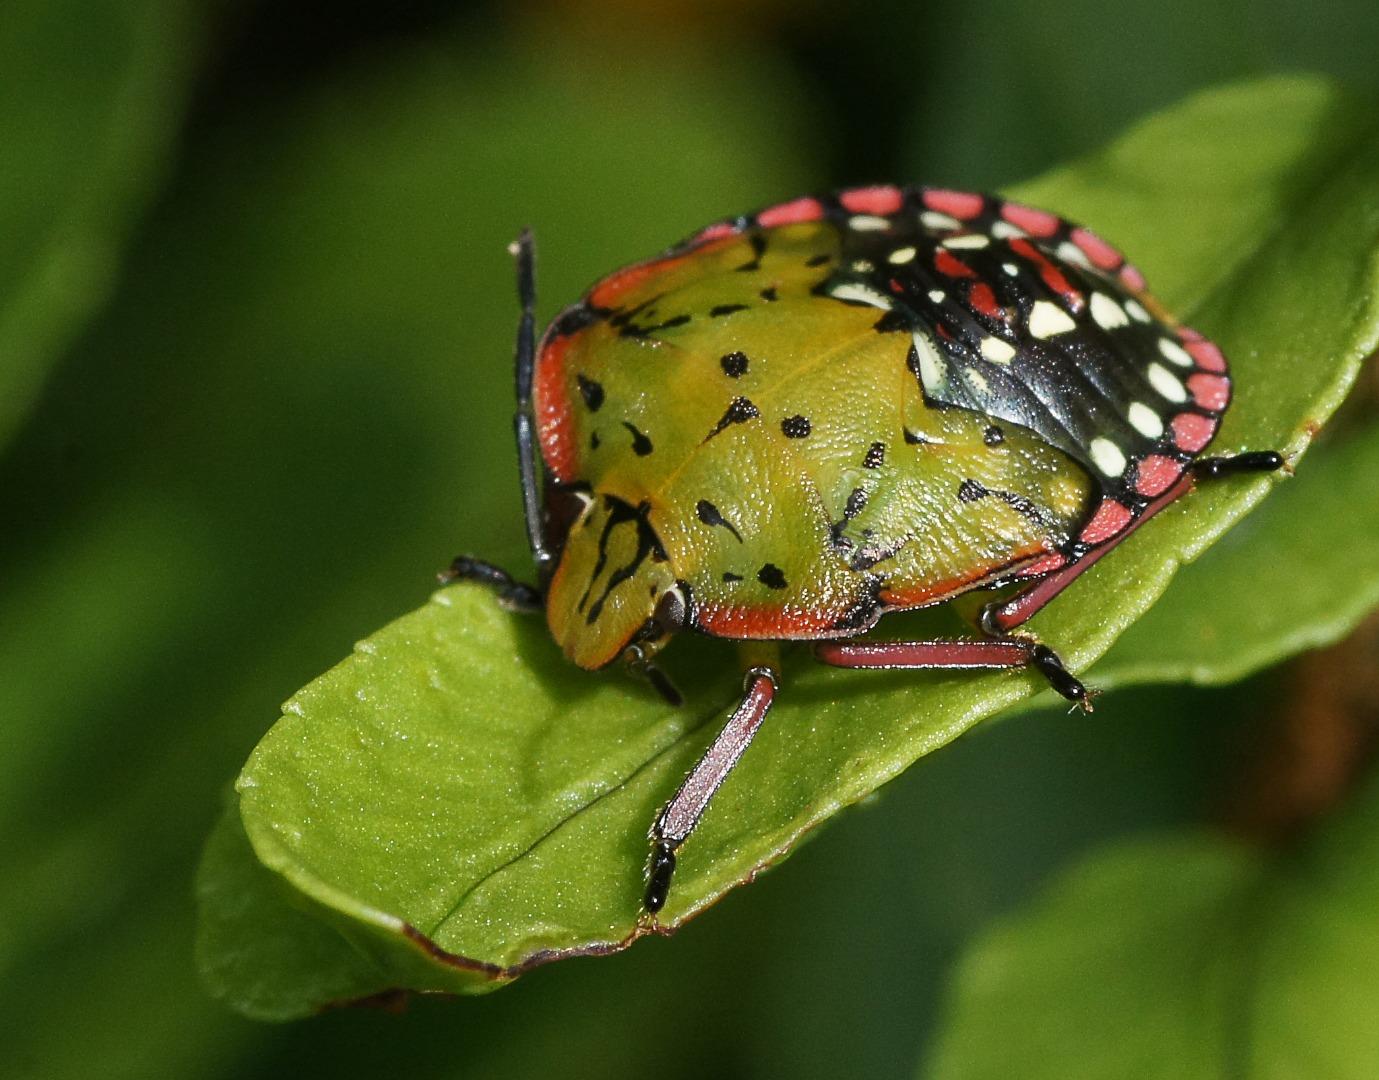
[[791, 213], [923, 595], [959, 204], [554, 417], [1156, 474], [618, 284], [1110, 518], [1210, 391], [1035, 222], [881, 200], [714, 231], [1102, 254], [745, 622], [1191, 431]]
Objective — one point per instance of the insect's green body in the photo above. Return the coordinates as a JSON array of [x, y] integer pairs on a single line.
[[780, 455], [801, 419]]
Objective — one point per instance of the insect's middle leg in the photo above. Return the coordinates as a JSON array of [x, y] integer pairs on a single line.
[[995, 652]]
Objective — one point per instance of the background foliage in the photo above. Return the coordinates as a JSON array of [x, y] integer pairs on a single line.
[[293, 406]]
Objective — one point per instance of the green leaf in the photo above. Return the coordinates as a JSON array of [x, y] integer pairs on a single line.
[[456, 786], [253, 929], [1184, 956], [90, 94], [276, 431]]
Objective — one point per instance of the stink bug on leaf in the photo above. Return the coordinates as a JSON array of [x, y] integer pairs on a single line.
[[798, 420]]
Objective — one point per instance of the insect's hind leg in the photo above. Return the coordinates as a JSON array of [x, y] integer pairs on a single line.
[[512, 594], [1002, 616], [1213, 468], [997, 619]]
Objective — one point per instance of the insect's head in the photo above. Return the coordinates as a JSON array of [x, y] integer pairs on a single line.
[[613, 594]]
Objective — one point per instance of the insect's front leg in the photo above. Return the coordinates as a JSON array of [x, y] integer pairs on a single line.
[[512, 594], [680, 816]]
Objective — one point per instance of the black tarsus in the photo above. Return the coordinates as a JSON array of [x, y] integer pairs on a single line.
[[637, 663], [523, 421], [658, 878], [1047, 662], [661, 681], [512, 594], [1213, 468]]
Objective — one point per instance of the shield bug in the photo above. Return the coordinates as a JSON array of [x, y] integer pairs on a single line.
[[799, 420]]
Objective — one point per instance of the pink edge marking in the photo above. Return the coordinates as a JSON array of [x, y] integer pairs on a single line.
[[1211, 392], [1110, 518], [1132, 278], [959, 204], [1046, 565], [1102, 254], [1035, 222], [791, 213], [713, 232], [1187, 334], [1191, 432], [923, 654], [1025, 604], [1156, 474], [1208, 356], [880, 200]]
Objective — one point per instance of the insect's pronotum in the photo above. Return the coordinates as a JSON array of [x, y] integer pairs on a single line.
[[801, 419]]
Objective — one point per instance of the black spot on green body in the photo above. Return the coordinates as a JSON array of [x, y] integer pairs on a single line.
[[641, 445], [709, 515], [739, 411], [591, 392], [772, 576]]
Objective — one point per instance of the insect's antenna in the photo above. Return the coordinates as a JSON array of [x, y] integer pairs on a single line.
[[523, 422]]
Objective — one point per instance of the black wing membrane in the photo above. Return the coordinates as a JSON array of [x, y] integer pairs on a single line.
[[1029, 331]]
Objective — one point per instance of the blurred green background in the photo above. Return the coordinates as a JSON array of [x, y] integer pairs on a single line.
[[255, 325]]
